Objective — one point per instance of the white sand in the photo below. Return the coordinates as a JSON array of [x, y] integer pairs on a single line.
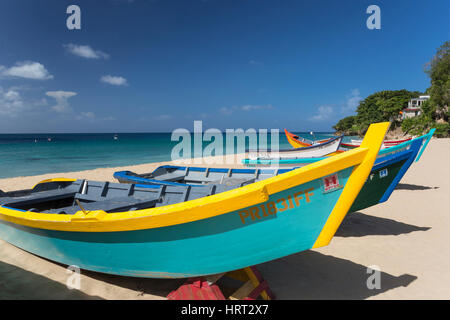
[[407, 237]]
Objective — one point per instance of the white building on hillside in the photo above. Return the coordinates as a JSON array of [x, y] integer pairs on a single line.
[[414, 107]]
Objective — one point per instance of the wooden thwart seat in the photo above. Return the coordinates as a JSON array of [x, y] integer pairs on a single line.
[[108, 205]]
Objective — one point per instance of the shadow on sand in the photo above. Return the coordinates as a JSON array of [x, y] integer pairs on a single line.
[[313, 275], [305, 275], [156, 287], [17, 283], [357, 224], [407, 186], [142, 286]]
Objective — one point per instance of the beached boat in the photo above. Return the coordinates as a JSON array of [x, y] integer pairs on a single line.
[[386, 144], [317, 150], [300, 162], [157, 232], [298, 142], [389, 168]]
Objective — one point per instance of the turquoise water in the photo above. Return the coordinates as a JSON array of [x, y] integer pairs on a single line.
[[33, 154]]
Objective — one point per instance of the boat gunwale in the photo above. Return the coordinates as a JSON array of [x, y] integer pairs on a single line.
[[189, 211], [313, 146], [426, 137]]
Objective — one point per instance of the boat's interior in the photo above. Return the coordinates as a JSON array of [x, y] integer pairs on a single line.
[[83, 195], [201, 176], [313, 146]]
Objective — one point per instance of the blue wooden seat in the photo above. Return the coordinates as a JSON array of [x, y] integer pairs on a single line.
[[110, 205]]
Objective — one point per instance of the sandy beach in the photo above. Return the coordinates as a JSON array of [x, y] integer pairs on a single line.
[[407, 238]]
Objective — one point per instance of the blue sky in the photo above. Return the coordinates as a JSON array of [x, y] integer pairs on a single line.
[[158, 65]]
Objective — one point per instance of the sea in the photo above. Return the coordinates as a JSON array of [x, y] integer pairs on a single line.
[[35, 154]]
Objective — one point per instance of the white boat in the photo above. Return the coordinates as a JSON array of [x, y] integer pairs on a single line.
[[314, 151]]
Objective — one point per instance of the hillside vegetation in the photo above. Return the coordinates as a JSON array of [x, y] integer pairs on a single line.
[[387, 105]]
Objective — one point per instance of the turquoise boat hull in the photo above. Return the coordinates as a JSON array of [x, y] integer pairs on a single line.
[[237, 239]]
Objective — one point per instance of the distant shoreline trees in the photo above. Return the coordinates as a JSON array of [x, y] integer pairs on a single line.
[[387, 105]]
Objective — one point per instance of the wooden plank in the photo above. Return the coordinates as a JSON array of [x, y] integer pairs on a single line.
[[243, 291], [256, 279]]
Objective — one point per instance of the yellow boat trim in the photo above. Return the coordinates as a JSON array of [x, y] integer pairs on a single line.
[[294, 143], [373, 140], [207, 207]]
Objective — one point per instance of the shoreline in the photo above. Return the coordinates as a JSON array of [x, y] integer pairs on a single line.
[[106, 173]]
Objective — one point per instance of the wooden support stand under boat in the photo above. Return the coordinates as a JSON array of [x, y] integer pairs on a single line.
[[206, 288]]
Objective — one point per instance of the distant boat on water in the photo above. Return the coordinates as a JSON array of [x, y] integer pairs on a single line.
[[116, 137]]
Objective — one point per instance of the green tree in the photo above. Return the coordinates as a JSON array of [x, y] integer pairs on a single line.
[[436, 112], [382, 106], [439, 71], [345, 125], [386, 105]]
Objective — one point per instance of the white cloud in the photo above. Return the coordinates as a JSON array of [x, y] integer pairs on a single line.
[[13, 104], [85, 51], [114, 80], [12, 95], [61, 97], [28, 70], [247, 107], [352, 102], [324, 113]]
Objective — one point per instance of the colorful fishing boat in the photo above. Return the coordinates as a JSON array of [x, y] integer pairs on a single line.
[[298, 142], [317, 150], [386, 143], [389, 168], [157, 232], [300, 162], [386, 173]]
